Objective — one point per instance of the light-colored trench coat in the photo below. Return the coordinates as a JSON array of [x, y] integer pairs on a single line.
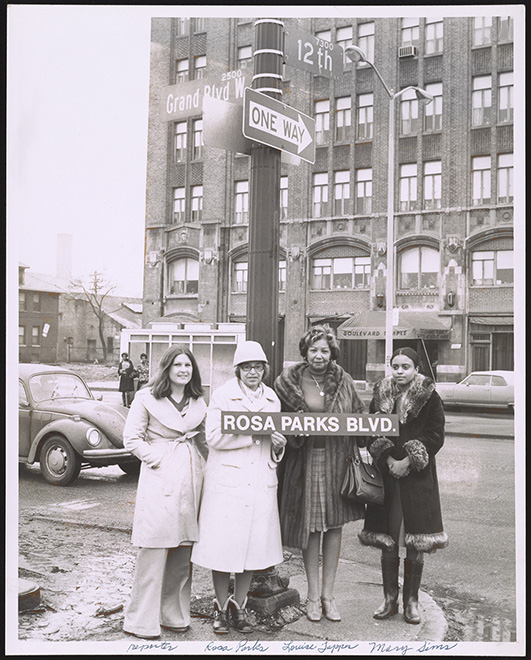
[[167, 499], [238, 522]]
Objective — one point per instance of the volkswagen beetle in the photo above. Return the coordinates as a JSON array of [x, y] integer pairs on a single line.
[[64, 428]]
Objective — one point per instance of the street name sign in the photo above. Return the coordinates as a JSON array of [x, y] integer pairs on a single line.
[[305, 51], [186, 99], [276, 124], [222, 126]]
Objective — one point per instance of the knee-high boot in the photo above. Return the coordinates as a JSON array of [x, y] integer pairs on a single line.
[[412, 579], [390, 587]]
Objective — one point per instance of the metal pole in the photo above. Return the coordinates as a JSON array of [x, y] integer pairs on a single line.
[[389, 283], [264, 203]]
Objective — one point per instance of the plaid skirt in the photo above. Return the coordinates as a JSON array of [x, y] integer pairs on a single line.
[[318, 514]]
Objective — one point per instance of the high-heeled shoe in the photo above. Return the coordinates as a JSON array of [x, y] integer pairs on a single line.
[[313, 609], [330, 610]]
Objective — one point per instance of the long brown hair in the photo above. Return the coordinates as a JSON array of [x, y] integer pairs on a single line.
[[161, 384]]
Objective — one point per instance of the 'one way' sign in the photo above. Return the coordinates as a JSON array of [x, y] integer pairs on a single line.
[[276, 124]]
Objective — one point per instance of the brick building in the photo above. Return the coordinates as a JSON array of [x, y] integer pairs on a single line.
[[453, 189]]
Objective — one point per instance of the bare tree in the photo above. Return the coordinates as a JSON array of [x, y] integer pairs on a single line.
[[94, 289]]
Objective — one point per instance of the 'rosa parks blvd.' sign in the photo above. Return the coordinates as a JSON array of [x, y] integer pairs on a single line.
[[256, 423]]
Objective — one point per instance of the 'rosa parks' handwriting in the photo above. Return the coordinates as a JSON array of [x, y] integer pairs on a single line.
[[244, 646]]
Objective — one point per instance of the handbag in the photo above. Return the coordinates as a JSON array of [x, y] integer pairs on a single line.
[[363, 481]]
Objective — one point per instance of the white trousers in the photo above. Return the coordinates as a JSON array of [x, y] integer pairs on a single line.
[[161, 590]]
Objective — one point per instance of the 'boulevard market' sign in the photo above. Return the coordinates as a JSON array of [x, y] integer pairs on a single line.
[[256, 423]]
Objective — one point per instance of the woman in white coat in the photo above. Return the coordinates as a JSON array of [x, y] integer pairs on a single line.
[[239, 522], [165, 430]]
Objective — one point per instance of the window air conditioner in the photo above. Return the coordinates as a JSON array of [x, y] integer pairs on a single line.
[[407, 51]]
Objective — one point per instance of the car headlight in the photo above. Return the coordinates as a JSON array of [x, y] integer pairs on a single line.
[[93, 437]]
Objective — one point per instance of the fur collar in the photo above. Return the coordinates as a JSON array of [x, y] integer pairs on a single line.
[[386, 393]]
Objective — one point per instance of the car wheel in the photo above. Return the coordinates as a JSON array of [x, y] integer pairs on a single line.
[[60, 464], [130, 467]]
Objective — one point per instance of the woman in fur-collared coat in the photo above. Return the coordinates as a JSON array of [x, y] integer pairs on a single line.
[[411, 513], [314, 467]]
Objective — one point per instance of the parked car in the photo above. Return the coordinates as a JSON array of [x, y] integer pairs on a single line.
[[64, 428], [484, 389]]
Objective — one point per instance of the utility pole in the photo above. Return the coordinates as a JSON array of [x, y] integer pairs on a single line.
[[264, 203]]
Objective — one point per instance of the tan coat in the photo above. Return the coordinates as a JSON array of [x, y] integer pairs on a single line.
[[238, 523], [170, 447]]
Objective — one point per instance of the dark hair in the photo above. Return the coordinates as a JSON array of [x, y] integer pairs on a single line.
[[319, 332], [161, 383], [143, 355], [126, 355], [408, 352]]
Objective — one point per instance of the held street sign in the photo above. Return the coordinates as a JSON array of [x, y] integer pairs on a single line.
[[305, 51], [276, 124]]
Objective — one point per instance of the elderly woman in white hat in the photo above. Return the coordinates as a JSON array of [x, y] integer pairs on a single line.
[[239, 528]]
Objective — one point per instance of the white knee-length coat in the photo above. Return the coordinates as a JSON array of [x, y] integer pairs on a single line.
[[239, 527], [171, 447]]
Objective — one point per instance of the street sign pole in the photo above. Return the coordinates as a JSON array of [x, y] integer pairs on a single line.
[[264, 204]]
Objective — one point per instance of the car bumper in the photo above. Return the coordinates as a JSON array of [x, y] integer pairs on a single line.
[[106, 453]]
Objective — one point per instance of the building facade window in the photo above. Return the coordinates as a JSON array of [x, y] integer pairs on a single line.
[[366, 42], [322, 122], [199, 67], [344, 39], [245, 56], [343, 118], [505, 28], [362, 272], [179, 142], [283, 197], [197, 203], [434, 36], [364, 190], [481, 180], [22, 301], [181, 71], [505, 97], [282, 275], [241, 202], [365, 116], [432, 184], [239, 277], [321, 271], [419, 268], [505, 179], [21, 335], [482, 31], [319, 195], [340, 273], [492, 267], [408, 187], [409, 113], [200, 24], [179, 205], [182, 26], [197, 136], [342, 192], [35, 335], [433, 110], [481, 100], [325, 35], [184, 276], [409, 32], [36, 302]]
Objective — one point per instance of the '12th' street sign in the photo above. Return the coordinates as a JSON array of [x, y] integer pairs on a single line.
[[305, 51], [271, 122]]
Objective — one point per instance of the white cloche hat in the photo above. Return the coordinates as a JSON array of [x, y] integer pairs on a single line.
[[246, 351]]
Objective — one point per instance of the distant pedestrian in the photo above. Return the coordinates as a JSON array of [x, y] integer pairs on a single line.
[[411, 513], [238, 524], [127, 382], [142, 371], [313, 468], [165, 430]]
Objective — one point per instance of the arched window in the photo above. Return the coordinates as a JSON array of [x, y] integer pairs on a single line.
[[183, 276], [336, 269], [419, 268]]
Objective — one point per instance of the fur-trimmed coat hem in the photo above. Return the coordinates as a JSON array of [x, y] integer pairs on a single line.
[[426, 542], [377, 540]]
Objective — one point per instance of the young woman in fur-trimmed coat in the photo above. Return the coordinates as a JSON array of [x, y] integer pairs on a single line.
[[314, 466], [411, 513]]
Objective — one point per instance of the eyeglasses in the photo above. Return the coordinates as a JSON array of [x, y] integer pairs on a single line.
[[247, 367]]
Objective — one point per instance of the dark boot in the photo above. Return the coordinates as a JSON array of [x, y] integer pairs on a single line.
[[390, 586], [412, 578], [221, 622], [240, 617]]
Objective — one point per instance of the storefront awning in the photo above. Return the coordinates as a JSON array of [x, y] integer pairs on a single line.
[[411, 325], [492, 320]]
